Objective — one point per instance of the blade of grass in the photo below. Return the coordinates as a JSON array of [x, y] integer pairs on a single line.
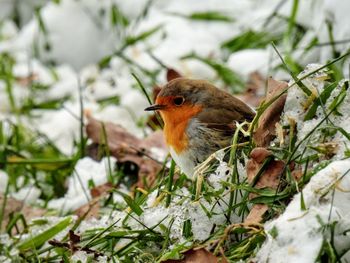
[[233, 163], [131, 40], [2, 211], [170, 182], [143, 89], [107, 152], [265, 105], [206, 16], [298, 81], [291, 23], [81, 120], [249, 40], [101, 233], [320, 100], [134, 206], [40, 239]]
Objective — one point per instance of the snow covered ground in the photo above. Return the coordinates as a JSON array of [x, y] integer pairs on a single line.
[[298, 234], [59, 49]]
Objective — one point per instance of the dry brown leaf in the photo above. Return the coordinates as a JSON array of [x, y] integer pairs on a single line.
[[271, 176], [198, 256], [128, 148], [254, 90], [297, 174], [155, 139], [89, 210], [100, 190], [92, 209], [256, 214], [15, 206], [266, 129], [73, 245]]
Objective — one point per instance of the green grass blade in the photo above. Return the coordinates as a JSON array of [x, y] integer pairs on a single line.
[[131, 203], [207, 16], [319, 101], [39, 240], [170, 182], [131, 40]]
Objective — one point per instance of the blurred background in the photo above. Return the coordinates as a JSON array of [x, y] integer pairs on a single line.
[[49, 48]]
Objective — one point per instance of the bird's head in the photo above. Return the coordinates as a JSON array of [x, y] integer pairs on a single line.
[[182, 98]]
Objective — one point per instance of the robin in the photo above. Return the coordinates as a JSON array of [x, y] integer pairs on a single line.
[[199, 119]]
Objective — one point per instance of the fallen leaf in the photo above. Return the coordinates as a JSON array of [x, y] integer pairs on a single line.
[[14, 206], [93, 151], [256, 214], [270, 178], [128, 148], [89, 210], [259, 154], [198, 256], [92, 209], [155, 139], [155, 92], [297, 174], [73, 245], [266, 129], [254, 90], [74, 238], [100, 190]]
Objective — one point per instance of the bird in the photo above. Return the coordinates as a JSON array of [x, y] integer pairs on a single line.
[[199, 119]]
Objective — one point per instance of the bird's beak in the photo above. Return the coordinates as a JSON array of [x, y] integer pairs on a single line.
[[155, 107]]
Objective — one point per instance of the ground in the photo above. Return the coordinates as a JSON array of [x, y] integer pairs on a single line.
[[84, 172]]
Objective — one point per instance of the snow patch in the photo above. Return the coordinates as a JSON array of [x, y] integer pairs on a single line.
[[297, 235], [3, 179], [248, 61], [86, 172], [27, 194]]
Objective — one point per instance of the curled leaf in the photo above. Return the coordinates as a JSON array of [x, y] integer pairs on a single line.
[[127, 148], [266, 129]]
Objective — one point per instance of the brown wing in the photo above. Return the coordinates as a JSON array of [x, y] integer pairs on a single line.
[[223, 116], [224, 129]]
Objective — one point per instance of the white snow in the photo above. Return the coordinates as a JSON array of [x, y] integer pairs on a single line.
[[297, 106], [296, 99], [61, 126], [93, 37], [119, 115], [27, 194], [8, 29], [3, 181], [80, 256], [182, 209], [297, 235], [248, 61], [86, 171], [73, 30]]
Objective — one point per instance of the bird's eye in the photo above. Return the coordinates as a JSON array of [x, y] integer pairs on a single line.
[[178, 101]]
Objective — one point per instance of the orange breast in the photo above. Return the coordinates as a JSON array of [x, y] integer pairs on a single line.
[[176, 120]]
